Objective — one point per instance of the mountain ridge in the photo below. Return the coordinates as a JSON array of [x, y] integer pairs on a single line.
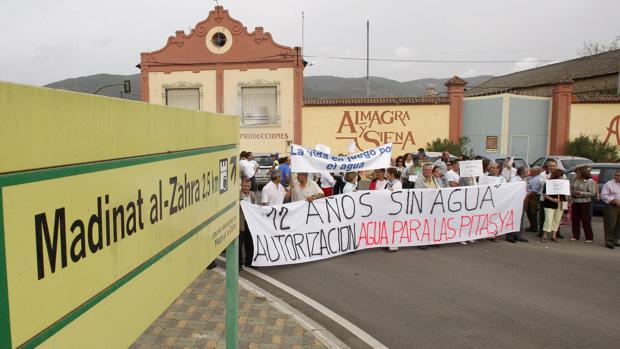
[[319, 86]]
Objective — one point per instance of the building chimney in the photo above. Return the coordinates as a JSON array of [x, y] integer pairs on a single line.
[[560, 116], [456, 93]]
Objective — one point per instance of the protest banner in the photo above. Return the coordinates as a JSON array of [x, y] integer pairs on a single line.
[[308, 231], [323, 148], [309, 160], [557, 187], [472, 168]]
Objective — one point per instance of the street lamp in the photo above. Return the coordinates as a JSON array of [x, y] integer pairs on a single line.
[[126, 87]]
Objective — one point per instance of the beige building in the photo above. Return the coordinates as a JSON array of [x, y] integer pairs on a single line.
[[221, 67]]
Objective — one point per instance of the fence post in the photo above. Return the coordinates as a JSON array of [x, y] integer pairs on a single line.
[[232, 294]]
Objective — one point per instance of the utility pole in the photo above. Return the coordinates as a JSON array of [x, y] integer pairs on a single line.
[[367, 58], [302, 33]]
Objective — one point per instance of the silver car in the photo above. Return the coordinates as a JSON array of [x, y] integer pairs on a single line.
[[565, 162]]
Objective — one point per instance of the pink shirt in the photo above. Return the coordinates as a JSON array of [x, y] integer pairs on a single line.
[[611, 191]]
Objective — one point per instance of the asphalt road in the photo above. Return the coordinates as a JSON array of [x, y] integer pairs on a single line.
[[483, 295]]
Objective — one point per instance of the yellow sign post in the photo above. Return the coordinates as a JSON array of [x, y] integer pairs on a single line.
[[92, 252]]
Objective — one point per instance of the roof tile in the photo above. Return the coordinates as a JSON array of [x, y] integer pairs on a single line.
[[596, 65]]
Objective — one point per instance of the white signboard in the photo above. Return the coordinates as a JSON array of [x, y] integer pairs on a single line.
[[305, 231], [490, 180], [557, 187], [413, 178], [309, 160], [472, 168]]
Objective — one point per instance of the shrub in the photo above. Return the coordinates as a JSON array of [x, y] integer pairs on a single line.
[[460, 148], [592, 148]]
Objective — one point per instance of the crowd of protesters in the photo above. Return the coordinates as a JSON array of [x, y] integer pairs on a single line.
[[544, 212]]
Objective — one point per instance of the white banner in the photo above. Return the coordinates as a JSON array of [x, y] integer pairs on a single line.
[[302, 232], [309, 160], [557, 187]]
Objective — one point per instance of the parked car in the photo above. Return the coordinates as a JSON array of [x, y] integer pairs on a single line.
[[565, 162], [518, 162], [265, 162], [601, 173]]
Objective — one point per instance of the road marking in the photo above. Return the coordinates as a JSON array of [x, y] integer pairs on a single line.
[[361, 334], [320, 332]]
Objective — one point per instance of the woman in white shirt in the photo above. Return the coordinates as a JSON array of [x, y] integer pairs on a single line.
[[393, 178]]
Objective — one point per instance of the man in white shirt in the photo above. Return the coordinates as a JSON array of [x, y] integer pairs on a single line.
[[452, 176], [305, 189], [493, 177], [494, 171], [273, 192], [243, 162], [249, 169]]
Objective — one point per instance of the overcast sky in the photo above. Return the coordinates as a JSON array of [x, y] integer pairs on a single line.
[[46, 41]]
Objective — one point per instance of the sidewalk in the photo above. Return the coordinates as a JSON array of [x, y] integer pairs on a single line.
[[197, 319]]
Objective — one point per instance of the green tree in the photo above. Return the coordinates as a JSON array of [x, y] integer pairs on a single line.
[[592, 148], [459, 148]]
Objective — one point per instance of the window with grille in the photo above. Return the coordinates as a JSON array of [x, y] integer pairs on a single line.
[[259, 105], [187, 98]]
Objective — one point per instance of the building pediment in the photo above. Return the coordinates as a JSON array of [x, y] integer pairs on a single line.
[[219, 39]]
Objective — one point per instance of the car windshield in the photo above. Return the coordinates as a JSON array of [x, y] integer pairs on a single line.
[[264, 160], [539, 162], [570, 163]]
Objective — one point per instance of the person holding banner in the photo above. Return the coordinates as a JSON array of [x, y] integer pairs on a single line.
[[582, 192], [518, 234], [553, 208], [427, 180], [273, 192], [393, 184], [245, 238], [305, 189], [493, 177]]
